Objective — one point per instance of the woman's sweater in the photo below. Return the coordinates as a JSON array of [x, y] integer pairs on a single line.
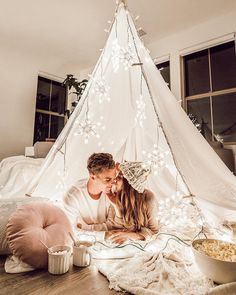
[[115, 221]]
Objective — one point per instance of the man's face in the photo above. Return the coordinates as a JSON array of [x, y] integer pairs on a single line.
[[105, 179]]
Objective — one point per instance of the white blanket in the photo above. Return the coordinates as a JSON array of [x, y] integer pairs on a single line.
[[14, 265], [145, 274], [168, 273], [15, 173]]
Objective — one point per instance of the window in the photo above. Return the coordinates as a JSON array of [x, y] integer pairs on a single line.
[[210, 90], [164, 69], [50, 109]]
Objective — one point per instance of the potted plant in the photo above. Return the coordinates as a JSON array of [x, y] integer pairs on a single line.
[[79, 88]]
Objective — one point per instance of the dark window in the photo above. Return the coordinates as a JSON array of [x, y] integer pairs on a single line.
[[210, 90], [50, 109], [58, 98], [43, 94], [200, 109], [164, 69], [57, 124], [41, 126], [224, 116], [196, 69], [223, 66]]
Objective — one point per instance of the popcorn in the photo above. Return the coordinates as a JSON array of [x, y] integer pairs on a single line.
[[217, 249]]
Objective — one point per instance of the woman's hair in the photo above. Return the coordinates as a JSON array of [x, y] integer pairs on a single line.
[[132, 206], [97, 162]]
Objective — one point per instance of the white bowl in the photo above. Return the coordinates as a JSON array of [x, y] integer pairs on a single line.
[[219, 271]]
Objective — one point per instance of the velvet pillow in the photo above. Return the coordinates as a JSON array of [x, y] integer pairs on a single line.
[[35, 222], [7, 207]]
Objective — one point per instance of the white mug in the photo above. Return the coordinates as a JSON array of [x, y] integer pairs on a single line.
[[81, 254], [59, 259]]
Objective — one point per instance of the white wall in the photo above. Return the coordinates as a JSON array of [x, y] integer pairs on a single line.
[[18, 84]]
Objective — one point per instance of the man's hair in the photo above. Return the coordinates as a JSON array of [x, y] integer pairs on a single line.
[[97, 162]]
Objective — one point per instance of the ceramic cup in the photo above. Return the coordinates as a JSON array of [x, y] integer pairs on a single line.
[[81, 253], [59, 259]]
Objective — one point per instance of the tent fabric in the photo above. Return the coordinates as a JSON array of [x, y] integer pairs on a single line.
[[128, 110]]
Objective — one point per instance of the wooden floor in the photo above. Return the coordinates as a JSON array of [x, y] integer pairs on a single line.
[[85, 281]]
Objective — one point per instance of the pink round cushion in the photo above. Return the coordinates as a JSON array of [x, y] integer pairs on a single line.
[[35, 222]]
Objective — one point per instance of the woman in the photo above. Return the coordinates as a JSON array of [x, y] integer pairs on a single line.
[[133, 212]]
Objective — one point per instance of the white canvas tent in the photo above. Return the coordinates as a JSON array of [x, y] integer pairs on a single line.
[[128, 110]]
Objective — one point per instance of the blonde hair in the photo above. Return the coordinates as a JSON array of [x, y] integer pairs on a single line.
[[132, 206]]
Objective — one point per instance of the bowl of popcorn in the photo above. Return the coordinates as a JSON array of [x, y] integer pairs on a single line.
[[216, 259]]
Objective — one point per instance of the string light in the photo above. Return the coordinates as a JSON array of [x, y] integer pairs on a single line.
[[122, 55], [140, 115], [177, 211], [101, 88], [157, 158], [88, 129]]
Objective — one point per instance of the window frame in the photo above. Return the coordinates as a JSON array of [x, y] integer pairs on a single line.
[[47, 112], [209, 94]]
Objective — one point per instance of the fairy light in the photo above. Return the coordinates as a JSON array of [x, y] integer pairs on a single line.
[[122, 55], [157, 158], [101, 89], [88, 129], [175, 211], [140, 115]]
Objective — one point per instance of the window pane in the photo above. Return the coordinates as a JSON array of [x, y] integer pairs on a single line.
[[41, 127], [200, 110], [196, 69], [224, 116], [223, 66], [164, 69], [57, 124], [43, 94], [58, 98]]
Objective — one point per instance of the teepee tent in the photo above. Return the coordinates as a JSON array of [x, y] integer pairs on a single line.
[[128, 110]]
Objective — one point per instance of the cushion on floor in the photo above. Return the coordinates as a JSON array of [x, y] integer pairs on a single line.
[[35, 222], [7, 207]]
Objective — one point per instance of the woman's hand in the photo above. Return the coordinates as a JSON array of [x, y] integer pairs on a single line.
[[110, 233], [120, 237]]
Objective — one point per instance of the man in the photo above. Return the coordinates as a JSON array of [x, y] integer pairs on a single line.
[[86, 203]]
